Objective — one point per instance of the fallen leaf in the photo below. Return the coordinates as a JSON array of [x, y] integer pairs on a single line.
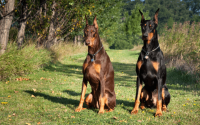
[[9, 116], [72, 116], [52, 91], [21, 79], [34, 90], [39, 123], [14, 114], [16, 91], [32, 96], [115, 117], [4, 103], [139, 120], [9, 96], [28, 123]]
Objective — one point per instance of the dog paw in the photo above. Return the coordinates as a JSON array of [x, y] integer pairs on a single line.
[[158, 113], [79, 109], [101, 112], [134, 111], [164, 109], [110, 110], [142, 107]]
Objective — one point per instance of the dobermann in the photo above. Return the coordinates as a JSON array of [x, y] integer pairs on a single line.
[[151, 71], [98, 70]]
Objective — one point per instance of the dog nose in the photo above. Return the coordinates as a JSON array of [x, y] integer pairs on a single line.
[[145, 35], [87, 42]]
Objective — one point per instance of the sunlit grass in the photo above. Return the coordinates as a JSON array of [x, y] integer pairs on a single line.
[[51, 95]]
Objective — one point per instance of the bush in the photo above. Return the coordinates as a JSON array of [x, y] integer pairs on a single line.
[[181, 46], [19, 62]]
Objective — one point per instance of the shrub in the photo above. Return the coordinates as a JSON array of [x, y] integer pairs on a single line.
[[181, 46], [19, 62]]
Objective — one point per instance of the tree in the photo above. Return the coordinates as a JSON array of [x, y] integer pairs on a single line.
[[129, 31], [5, 22], [22, 22], [175, 9], [51, 39]]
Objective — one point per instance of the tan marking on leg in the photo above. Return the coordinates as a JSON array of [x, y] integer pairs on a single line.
[[139, 64], [142, 106], [80, 107], [158, 110], [164, 107], [155, 65], [97, 68], [137, 102], [103, 101], [145, 95], [88, 100]]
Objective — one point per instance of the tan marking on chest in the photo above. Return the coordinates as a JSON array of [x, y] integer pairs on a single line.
[[139, 64], [150, 36], [155, 65], [97, 68]]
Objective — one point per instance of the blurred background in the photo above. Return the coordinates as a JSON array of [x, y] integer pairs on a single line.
[[56, 27]]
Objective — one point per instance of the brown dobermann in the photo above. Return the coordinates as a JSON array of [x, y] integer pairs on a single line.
[[151, 71], [98, 70]]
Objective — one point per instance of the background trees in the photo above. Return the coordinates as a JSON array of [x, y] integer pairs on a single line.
[[47, 23]]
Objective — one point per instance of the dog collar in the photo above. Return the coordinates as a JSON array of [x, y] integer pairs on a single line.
[[93, 55], [147, 53]]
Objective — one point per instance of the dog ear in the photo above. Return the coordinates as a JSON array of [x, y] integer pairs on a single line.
[[86, 20], [95, 23], [142, 20], [156, 17]]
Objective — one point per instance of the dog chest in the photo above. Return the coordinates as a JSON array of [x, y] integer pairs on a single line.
[[92, 72], [148, 70]]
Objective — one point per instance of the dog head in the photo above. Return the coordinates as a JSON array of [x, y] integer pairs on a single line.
[[91, 32], [149, 26]]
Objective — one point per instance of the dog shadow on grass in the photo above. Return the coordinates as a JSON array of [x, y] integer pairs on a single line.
[[72, 103], [65, 101], [121, 103], [67, 69]]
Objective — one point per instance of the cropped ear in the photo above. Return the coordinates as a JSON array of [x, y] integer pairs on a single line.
[[86, 20], [95, 23], [142, 20], [156, 17]]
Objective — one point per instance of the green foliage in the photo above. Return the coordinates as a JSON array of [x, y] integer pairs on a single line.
[[170, 22], [175, 9], [19, 62], [129, 29], [13, 33]]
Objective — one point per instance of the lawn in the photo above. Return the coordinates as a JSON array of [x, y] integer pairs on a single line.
[[50, 95]]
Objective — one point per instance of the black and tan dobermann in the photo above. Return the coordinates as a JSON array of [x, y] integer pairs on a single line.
[[151, 71], [98, 70]]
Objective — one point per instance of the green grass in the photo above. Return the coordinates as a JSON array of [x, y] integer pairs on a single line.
[[52, 94]]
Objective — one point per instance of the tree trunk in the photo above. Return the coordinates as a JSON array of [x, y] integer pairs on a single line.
[[45, 8], [51, 39], [21, 32], [79, 40], [5, 23], [75, 40]]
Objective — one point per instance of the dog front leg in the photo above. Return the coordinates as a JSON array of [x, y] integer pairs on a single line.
[[102, 98], [84, 87], [159, 100], [137, 97]]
